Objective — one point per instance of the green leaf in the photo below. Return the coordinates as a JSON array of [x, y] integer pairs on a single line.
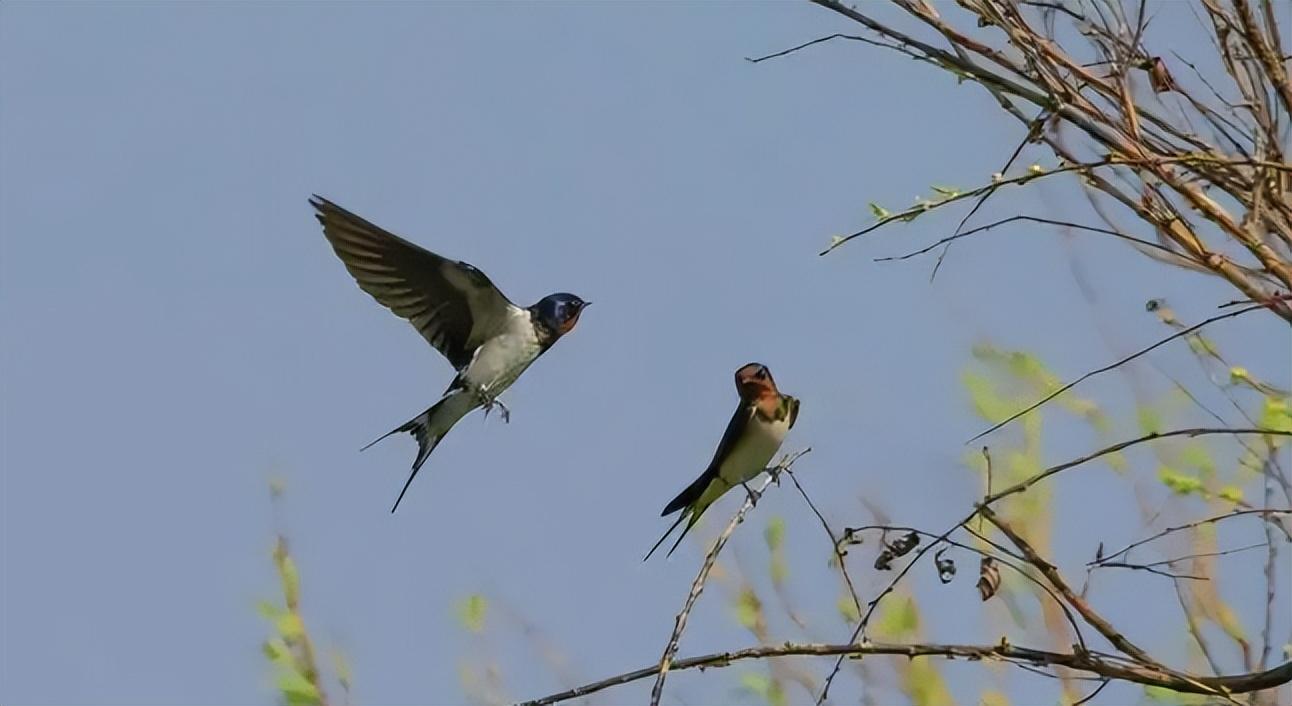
[[297, 689], [276, 650], [848, 609], [878, 211], [290, 626], [471, 611], [1276, 415], [1150, 419], [900, 618], [925, 685], [1195, 455], [780, 571], [1232, 493], [947, 191], [291, 580], [774, 533], [756, 683], [776, 695], [1179, 483], [987, 403], [268, 610], [748, 608]]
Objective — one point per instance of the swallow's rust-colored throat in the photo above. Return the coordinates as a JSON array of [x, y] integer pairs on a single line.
[[768, 401]]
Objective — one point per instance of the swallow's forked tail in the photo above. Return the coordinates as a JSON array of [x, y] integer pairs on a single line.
[[671, 527], [429, 428], [689, 502]]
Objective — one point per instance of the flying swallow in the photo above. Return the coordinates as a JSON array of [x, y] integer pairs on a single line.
[[488, 340], [753, 436]]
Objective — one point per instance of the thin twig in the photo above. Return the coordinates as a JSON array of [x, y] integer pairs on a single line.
[[822, 40], [1111, 366], [1093, 694], [1151, 570], [834, 541], [1033, 129], [1048, 221], [1171, 530], [679, 624]]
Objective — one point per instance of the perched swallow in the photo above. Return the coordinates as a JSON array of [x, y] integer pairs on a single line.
[[753, 436], [487, 339]]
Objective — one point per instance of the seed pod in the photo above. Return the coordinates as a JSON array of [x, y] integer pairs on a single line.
[[988, 578], [946, 567], [905, 544]]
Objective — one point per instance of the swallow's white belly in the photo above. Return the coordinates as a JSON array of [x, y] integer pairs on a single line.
[[501, 359], [754, 451]]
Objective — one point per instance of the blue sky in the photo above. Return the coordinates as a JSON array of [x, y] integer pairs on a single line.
[[176, 330]]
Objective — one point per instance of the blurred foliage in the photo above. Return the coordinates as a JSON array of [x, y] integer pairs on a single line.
[[998, 383], [471, 612], [764, 688], [289, 649]]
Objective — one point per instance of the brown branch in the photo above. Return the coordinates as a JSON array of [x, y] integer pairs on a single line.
[[1124, 130], [1019, 487], [1270, 558], [1051, 573], [1085, 662], [697, 587]]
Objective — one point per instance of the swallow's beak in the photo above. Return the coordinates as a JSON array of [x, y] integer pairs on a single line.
[[585, 305]]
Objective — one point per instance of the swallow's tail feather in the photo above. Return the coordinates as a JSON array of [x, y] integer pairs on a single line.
[[690, 495], [691, 516], [666, 534], [429, 428], [693, 501]]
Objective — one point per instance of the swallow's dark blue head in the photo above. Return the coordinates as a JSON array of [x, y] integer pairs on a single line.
[[559, 312]]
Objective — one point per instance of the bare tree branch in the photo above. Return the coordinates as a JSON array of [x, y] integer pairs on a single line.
[[1084, 662]]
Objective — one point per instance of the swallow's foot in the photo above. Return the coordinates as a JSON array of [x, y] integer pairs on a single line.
[[753, 495], [491, 402], [503, 411]]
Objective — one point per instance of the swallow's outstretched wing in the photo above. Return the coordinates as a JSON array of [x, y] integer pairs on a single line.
[[693, 499], [452, 304]]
